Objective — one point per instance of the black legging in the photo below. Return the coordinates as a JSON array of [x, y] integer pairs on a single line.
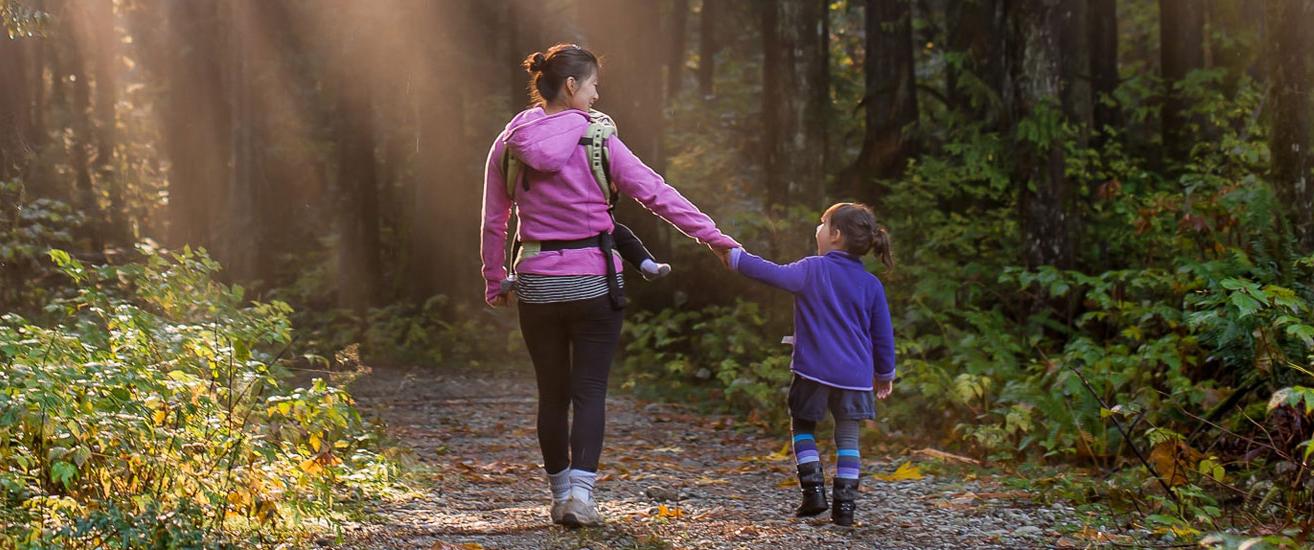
[[571, 345]]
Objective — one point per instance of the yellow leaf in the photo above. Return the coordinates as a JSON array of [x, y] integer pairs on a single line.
[[284, 408], [783, 453], [786, 482], [664, 511], [340, 444], [906, 471], [315, 442], [310, 466], [159, 416]]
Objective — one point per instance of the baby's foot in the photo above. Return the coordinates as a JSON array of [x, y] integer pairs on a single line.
[[653, 270]]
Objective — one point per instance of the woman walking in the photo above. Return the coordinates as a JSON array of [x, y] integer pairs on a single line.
[[568, 284]]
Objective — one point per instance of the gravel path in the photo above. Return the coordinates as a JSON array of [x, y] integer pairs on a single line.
[[670, 478]]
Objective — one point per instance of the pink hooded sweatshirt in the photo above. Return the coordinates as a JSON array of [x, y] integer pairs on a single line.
[[565, 203]]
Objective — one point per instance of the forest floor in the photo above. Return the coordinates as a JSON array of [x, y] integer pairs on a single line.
[[671, 477]]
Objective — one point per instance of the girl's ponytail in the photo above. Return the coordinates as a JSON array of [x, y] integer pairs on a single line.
[[857, 222], [880, 246]]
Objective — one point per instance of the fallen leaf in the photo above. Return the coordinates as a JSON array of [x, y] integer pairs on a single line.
[[906, 471]]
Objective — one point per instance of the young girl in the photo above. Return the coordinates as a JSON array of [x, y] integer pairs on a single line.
[[843, 346]]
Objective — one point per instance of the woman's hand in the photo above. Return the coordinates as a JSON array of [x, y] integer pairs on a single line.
[[724, 255], [883, 388], [502, 299]]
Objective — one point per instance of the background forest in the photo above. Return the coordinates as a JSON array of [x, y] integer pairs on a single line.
[[1101, 209]]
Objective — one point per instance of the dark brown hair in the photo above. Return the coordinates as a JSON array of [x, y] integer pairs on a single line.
[[548, 71], [857, 223]]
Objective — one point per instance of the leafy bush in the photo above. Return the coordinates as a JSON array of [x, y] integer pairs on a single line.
[[728, 355], [152, 412]]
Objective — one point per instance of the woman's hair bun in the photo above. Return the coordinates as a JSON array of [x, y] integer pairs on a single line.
[[534, 63]]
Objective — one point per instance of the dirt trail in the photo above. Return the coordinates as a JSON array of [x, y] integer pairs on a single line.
[[670, 479]]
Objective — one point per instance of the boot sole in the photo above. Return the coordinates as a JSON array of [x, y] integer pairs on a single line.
[[809, 513], [569, 520]]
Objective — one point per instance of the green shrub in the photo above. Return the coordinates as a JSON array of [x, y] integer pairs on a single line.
[[152, 412]]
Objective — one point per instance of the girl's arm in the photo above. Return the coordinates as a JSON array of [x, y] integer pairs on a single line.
[[636, 179], [792, 277], [882, 337], [497, 214]]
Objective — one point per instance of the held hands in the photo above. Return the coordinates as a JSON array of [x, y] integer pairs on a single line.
[[883, 388], [722, 254]]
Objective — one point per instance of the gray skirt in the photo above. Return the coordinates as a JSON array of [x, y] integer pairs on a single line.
[[809, 400]]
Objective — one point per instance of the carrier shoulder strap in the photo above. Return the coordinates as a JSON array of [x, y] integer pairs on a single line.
[[601, 128]]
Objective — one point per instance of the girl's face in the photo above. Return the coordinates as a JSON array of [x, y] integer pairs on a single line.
[[581, 94], [828, 238]]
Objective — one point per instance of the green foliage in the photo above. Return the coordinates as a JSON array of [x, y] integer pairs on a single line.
[[729, 355], [152, 412], [27, 232]]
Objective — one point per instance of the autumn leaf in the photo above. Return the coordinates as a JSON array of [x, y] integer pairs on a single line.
[[905, 472], [664, 511]]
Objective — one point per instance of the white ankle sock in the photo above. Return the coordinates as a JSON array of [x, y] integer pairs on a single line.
[[560, 484], [581, 484]]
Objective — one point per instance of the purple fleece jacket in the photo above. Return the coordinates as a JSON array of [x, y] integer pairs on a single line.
[[842, 331]]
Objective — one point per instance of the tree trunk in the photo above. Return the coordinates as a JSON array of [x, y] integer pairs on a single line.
[[1181, 37], [180, 47], [359, 270], [675, 63], [707, 48], [15, 107], [1290, 95], [104, 51], [977, 29], [791, 110], [443, 243], [84, 135], [1103, 28], [1035, 63], [890, 98]]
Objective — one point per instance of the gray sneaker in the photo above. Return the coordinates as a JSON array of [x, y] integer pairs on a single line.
[[579, 513], [558, 511]]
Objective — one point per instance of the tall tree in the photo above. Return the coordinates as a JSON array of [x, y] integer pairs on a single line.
[[793, 101], [84, 133], [1102, 24], [707, 46], [890, 97], [103, 48], [358, 261], [1181, 38], [443, 223], [1290, 96], [977, 32], [676, 32], [15, 106], [1034, 97], [181, 46]]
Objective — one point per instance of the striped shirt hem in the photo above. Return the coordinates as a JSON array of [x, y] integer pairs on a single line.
[[547, 289]]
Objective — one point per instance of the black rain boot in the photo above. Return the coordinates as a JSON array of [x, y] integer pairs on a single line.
[[846, 493], [812, 480]]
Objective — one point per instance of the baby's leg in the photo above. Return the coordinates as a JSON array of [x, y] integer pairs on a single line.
[[633, 251], [848, 464]]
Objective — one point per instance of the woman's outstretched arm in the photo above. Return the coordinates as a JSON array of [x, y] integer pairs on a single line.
[[636, 179], [497, 214]]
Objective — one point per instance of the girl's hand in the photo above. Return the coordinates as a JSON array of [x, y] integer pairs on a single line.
[[883, 388]]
